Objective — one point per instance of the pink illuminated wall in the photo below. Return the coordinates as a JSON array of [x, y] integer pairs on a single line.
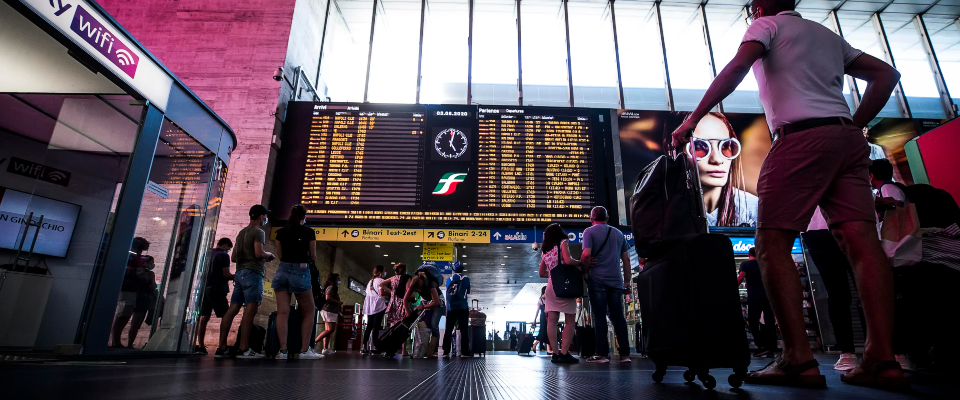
[[226, 52], [939, 149]]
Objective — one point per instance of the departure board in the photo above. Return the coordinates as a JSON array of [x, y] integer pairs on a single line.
[[438, 163], [363, 158], [529, 159]]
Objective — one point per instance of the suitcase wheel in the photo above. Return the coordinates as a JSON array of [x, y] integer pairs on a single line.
[[689, 375], [735, 380], [659, 374], [707, 380]]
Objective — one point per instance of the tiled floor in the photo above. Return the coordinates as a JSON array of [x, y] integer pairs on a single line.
[[349, 375]]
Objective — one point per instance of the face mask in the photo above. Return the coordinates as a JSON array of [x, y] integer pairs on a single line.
[[304, 222], [338, 283], [264, 223]]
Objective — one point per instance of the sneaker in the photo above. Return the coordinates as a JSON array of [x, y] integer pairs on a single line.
[[250, 354], [598, 360], [905, 363], [365, 352], [224, 353], [625, 360], [200, 350], [328, 352], [282, 355], [310, 354], [567, 359], [466, 356], [846, 362], [554, 358]]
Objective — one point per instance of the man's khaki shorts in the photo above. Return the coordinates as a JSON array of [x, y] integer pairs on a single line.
[[826, 166]]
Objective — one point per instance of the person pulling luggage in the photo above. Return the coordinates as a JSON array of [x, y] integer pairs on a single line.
[[819, 157]]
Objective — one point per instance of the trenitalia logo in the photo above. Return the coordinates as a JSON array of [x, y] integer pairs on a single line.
[[448, 184]]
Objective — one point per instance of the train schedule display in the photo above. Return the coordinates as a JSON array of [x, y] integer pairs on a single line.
[[426, 163]]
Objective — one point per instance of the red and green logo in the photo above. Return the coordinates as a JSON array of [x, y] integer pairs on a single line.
[[448, 183]]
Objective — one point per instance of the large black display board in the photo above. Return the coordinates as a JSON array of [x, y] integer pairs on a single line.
[[428, 163]]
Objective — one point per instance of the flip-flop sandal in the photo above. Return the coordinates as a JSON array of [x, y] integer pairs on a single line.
[[869, 376], [791, 375]]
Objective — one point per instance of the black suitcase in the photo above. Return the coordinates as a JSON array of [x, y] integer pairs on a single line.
[[257, 336], [586, 341], [392, 338], [478, 340], [691, 311], [294, 337], [525, 345]]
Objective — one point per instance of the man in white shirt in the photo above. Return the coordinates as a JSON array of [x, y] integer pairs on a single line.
[[819, 157]]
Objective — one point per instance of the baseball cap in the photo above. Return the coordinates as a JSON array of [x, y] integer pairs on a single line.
[[257, 210]]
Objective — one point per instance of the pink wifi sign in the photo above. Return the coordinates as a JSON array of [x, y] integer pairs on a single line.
[[100, 37]]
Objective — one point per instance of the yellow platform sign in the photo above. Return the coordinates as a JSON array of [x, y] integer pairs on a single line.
[[456, 235], [438, 252]]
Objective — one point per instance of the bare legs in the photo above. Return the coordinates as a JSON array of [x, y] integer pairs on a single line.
[[874, 276], [569, 328], [782, 282], [226, 322], [308, 310], [552, 318], [246, 325], [283, 316], [202, 330], [329, 327]]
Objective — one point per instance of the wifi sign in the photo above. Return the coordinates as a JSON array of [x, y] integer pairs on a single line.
[[106, 42], [38, 171]]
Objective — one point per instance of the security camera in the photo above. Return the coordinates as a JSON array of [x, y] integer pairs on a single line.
[[278, 75]]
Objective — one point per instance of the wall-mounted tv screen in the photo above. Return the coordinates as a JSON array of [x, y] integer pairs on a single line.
[[55, 230]]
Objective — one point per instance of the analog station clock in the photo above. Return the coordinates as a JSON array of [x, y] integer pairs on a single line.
[[451, 143]]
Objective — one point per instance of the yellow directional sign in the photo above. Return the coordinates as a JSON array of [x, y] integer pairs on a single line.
[[374, 234], [456, 235], [378, 234], [438, 252]]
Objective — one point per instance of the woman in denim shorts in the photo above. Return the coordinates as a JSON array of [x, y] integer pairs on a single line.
[[296, 248]]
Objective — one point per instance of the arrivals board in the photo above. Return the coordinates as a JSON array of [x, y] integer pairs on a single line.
[[430, 163]]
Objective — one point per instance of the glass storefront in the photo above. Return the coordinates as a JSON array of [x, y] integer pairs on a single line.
[[100, 191]]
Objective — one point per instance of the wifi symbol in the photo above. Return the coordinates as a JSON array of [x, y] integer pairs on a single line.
[[56, 176], [124, 57]]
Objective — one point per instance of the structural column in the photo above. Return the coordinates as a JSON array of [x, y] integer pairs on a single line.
[[706, 40], [949, 109], [616, 52], [666, 68], [851, 81], [885, 46]]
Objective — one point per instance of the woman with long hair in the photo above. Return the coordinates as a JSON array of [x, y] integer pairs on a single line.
[[330, 311], [427, 285], [717, 151], [297, 248], [397, 290], [374, 308], [556, 250]]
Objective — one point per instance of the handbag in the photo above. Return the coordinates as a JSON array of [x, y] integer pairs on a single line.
[[568, 279], [900, 236]]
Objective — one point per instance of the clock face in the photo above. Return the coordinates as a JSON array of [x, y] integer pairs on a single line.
[[451, 143]]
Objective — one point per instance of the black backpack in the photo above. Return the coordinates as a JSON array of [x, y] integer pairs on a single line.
[[936, 208], [666, 207]]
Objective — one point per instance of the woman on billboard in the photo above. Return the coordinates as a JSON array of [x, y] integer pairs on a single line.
[[717, 150]]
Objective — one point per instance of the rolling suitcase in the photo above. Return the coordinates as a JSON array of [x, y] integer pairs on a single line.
[[294, 337], [525, 345], [478, 340], [257, 337], [392, 338], [585, 340], [691, 311]]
